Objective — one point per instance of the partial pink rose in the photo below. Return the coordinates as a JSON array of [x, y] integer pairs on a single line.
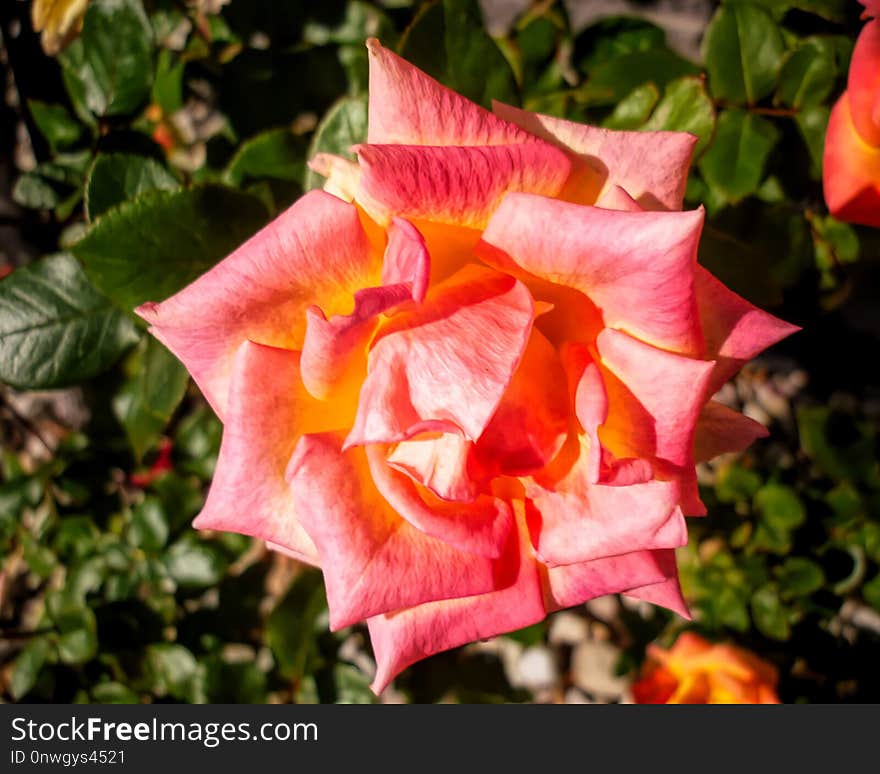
[[852, 143], [470, 384]]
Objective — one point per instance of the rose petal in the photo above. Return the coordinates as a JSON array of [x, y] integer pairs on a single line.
[[411, 108], [573, 520], [432, 364], [666, 594], [636, 267], [343, 176], [311, 558], [654, 399], [438, 462], [721, 430], [404, 637], [652, 167], [863, 84], [735, 331], [407, 259], [373, 560], [590, 402], [575, 584], [268, 410], [851, 170], [314, 252], [531, 422], [334, 354], [482, 526], [460, 185], [616, 198], [334, 358]]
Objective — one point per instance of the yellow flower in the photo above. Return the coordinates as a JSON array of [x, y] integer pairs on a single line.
[[59, 21]]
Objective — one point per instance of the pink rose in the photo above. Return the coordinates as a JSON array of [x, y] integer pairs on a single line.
[[472, 384], [851, 165]]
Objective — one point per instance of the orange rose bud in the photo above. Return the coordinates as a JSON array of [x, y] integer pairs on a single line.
[[694, 671], [164, 138], [851, 165]]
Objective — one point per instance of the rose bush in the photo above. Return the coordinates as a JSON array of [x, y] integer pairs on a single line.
[[852, 143], [471, 378], [694, 671]]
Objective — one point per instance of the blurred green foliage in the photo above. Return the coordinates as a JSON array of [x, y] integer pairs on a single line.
[[165, 134]]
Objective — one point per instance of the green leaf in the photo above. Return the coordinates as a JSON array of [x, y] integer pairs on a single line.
[[799, 576], [55, 328], [734, 163], [833, 10], [610, 81], [76, 626], [78, 645], [27, 666], [352, 686], [114, 693], [812, 123], [150, 248], [780, 505], [155, 387], [685, 107], [86, 576], [735, 484], [769, 615], [611, 37], [361, 20], [836, 243], [534, 51], [118, 177], [198, 442], [634, 109], [195, 564], [59, 128], [781, 511], [233, 682], [35, 192], [448, 40], [846, 502], [40, 559], [344, 125], [290, 629], [182, 497], [808, 74], [276, 153], [75, 538], [149, 525], [109, 68], [51, 184], [346, 33], [167, 91], [743, 50], [175, 672]]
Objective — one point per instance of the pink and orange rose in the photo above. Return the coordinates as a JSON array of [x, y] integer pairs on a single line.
[[852, 143], [695, 671], [471, 379]]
